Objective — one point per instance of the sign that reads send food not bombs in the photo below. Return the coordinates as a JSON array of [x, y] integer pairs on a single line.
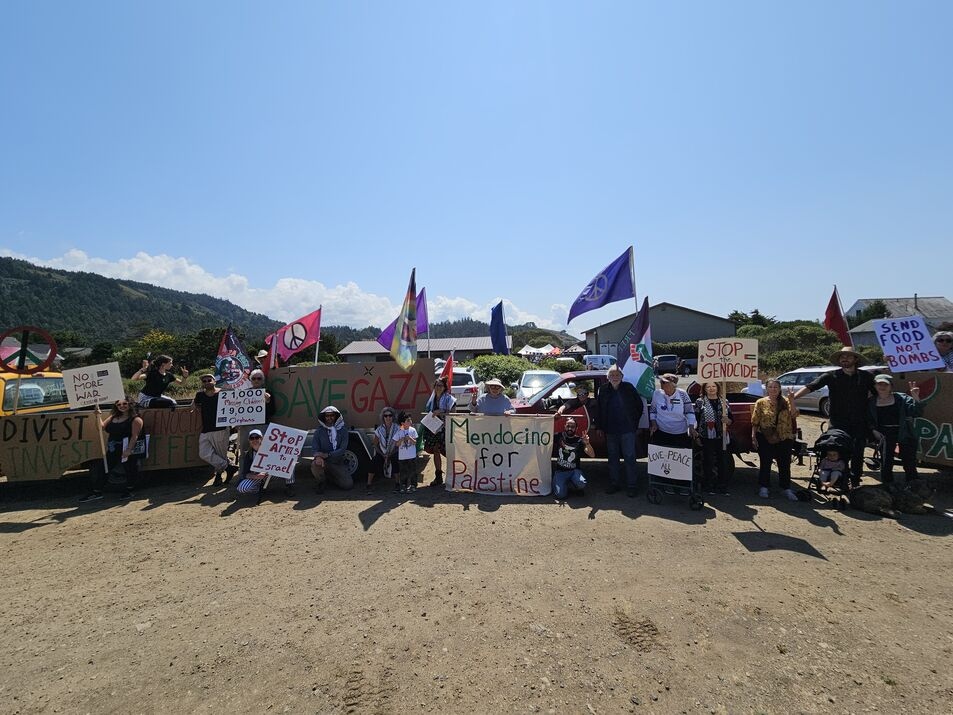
[[500, 455]]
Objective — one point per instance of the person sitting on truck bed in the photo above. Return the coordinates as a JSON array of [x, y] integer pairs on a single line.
[[158, 375], [330, 446], [581, 400]]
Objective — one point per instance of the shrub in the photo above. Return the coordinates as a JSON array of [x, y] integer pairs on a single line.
[[561, 367], [505, 368]]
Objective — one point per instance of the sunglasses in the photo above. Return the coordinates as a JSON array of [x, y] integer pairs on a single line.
[[206, 382], [388, 417], [943, 340], [254, 437]]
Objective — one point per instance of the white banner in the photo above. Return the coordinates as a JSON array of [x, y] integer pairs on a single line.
[[670, 462], [907, 344], [96, 384], [240, 407], [728, 359], [507, 455], [279, 451]]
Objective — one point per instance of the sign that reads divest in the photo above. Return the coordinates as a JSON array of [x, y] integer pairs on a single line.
[[670, 462], [724, 359], [506, 455], [240, 407], [907, 344], [279, 451], [93, 385]]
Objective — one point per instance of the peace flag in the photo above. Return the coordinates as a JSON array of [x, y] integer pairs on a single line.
[[297, 335], [614, 282]]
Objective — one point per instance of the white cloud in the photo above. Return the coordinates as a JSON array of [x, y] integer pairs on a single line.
[[288, 298]]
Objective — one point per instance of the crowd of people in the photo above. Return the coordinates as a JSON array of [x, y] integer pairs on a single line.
[[863, 407]]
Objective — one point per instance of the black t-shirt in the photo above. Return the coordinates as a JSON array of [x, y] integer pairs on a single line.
[[568, 453], [208, 406], [156, 383]]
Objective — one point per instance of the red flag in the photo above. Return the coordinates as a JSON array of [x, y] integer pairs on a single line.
[[447, 373], [270, 361], [835, 322], [297, 335]]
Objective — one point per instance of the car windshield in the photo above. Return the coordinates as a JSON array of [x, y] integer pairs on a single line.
[[35, 392], [461, 378], [539, 381]]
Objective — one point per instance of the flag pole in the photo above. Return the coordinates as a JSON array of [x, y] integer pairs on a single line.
[[317, 345]]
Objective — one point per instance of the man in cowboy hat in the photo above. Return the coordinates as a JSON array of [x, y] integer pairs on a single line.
[[493, 402], [849, 390]]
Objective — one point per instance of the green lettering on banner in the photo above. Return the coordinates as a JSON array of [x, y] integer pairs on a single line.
[[942, 447]]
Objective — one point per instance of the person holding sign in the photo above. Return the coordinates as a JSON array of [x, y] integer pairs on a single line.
[[122, 428], [849, 390], [619, 410], [158, 375], [892, 415], [330, 447], [569, 450], [714, 417], [943, 340], [440, 404], [772, 435], [213, 441], [254, 482]]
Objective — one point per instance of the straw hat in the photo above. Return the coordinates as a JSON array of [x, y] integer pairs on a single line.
[[835, 358]]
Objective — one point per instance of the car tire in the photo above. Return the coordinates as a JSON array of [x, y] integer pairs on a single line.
[[824, 407]]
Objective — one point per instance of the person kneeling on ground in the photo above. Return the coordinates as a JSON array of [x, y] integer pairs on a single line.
[[569, 450], [254, 482], [330, 446]]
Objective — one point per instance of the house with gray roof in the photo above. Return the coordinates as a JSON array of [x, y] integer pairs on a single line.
[[935, 310]]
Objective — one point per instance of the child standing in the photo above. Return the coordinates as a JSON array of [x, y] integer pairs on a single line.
[[406, 440], [831, 469]]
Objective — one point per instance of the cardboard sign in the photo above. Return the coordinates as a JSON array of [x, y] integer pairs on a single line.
[[907, 344], [44, 445], [93, 385], [723, 359], [279, 451], [670, 462], [934, 428], [173, 439], [240, 407], [359, 390], [506, 455]]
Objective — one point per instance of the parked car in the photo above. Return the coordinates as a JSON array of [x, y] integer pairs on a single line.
[[687, 366], [40, 392], [665, 363], [817, 401], [598, 362], [532, 381], [465, 384]]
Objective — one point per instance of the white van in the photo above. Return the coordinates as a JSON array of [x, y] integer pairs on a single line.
[[598, 362]]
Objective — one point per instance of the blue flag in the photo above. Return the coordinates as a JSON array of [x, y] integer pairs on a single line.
[[498, 330], [613, 283]]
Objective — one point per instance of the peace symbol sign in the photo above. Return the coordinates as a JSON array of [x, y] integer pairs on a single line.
[[19, 359], [598, 288], [294, 336]]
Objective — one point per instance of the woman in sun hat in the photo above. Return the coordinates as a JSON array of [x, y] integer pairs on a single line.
[[493, 402]]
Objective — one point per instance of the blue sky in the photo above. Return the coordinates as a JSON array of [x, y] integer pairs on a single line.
[[286, 155]]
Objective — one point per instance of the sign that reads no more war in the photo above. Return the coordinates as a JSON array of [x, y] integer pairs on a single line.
[[907, 344], [93, 385], [240, 407], [728, 359]]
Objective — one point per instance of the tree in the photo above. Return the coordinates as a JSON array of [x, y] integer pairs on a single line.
[[755, 317], [505, 368], [876, 310]]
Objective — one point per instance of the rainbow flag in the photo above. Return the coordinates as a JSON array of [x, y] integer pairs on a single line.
[[403, 347]]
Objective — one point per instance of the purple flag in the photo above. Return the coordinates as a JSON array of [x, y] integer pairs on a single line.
[[386, 338], [613, 283]]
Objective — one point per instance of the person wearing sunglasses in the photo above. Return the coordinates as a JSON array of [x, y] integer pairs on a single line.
[[122, 428], [944, 345], [254, 482], [384, 464], [213, 440], [570, 447], [257, 378]]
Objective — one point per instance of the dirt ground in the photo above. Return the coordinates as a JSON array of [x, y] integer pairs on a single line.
[[188, 600]]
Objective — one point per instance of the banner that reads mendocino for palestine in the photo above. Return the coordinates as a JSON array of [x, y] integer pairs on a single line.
[[508, 455]]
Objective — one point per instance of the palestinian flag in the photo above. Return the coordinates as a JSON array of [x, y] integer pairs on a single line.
[[634, 354]]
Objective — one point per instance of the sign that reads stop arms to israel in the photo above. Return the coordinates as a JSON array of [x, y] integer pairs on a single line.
[[279, 451]]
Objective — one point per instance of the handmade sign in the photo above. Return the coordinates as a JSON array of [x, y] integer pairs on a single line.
[[173, 439], [44, 445], [670, 462], [934, 428], [240, 407], [93, 385], [359, 390], [507, 455], [907, 344], [722, 359], [279, 451]]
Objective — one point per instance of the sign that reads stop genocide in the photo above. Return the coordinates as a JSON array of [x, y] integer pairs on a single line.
[[728, 359]]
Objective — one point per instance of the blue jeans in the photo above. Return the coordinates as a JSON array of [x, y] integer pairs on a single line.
[[624, 444], [561, 482]]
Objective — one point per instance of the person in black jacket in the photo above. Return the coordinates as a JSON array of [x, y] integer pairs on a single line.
[[849, 390], [618, 412]]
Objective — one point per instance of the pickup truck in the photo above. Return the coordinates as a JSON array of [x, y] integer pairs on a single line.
[[40, 392], [547, 401]]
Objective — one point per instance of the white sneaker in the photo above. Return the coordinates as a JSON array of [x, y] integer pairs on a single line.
[[789, 493], [763, 492]]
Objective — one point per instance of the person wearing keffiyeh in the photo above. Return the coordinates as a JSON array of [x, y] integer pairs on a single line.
[[714, 416], [330, 447]]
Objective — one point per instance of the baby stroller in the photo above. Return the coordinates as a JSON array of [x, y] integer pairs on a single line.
[[830, 441]]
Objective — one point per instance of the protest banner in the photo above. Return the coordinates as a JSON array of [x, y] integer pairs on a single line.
[[506, 455], [240, 407], [359, 390], [934, 428], [173, 439], [93, 385], [45, 445], [279, 451], [907, 344], [724, 359], [670, 462]]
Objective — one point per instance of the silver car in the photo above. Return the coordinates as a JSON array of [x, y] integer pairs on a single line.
[[817, 401]]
